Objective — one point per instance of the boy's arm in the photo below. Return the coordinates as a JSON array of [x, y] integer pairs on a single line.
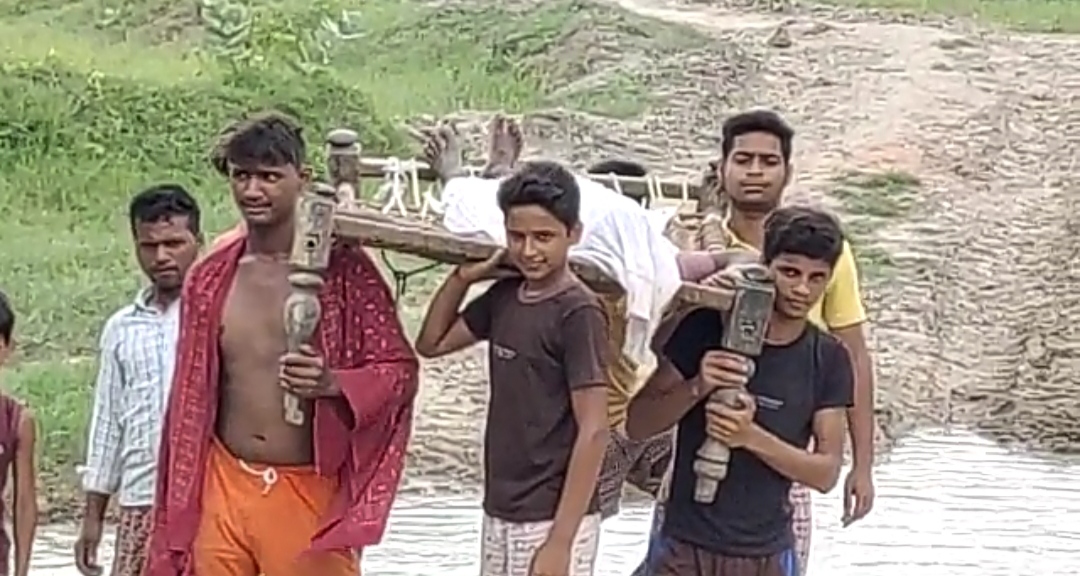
[[585, 360], [667, 396], [26, 508], [819, 469], [445, 330]]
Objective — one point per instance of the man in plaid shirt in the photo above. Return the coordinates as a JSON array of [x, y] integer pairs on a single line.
[[137, 348]]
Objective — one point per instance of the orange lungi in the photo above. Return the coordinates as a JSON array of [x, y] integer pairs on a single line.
[[260, 519]]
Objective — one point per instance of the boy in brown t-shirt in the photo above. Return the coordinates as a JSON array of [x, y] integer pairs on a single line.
[[547, 419]]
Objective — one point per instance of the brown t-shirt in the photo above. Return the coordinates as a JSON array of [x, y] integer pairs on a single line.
[[540, 352]]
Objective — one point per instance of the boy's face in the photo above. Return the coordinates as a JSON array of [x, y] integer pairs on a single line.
[[5, 349], [754, 174], [537, 243], [266, 195], [800, 282]]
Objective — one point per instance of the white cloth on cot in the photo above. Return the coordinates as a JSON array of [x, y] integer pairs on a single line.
[[619, 237]]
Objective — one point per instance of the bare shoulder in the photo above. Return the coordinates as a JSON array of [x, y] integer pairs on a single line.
[[211, 262], [27, 423]]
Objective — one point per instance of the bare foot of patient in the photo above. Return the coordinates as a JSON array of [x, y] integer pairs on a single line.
[[505, 142], [441, 149]]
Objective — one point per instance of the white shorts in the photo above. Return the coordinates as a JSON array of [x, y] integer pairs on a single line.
[[507, 548]]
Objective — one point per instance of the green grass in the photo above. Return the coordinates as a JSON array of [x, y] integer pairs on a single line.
[[1028, 15], [100, 99], [869, 202]]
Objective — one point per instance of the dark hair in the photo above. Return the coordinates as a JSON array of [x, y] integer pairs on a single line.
[[802, 231], [7, 319], [619, 167], [765, 121], [161, 202], [544, 184], [267, 138]]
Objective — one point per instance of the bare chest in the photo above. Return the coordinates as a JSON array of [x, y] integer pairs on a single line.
[[252, 323]]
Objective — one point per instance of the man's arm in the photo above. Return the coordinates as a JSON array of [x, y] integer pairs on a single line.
[[585, 360], [845, 316], [26, 507], [102, 475], [698, 265], [819, 469], [670, 391], [445, 330]]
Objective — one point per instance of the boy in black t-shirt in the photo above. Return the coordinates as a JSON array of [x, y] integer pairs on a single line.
[[801, 383]]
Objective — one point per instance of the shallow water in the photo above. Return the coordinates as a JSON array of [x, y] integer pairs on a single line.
[[949, 504]]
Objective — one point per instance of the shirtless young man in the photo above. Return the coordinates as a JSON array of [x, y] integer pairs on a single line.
[[798, 389], [138, 350], [546, 427], [755, 168], [240, 492]]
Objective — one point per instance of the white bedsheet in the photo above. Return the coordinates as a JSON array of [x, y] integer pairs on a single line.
[[620, 237]]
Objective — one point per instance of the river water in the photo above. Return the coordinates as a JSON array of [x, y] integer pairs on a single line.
[[949, 504]]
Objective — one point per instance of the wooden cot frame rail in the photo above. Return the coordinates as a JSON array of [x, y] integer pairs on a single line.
[[374, 229]]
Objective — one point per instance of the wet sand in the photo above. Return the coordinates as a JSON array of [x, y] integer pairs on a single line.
[[949, 504]]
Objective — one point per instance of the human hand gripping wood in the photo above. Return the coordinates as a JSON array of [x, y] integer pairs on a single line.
[[304, 373], [493, 268], [731, 425], [722, 369], [726, 278]]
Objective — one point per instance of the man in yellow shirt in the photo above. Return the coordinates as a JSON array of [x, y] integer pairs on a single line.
[[754, 169]]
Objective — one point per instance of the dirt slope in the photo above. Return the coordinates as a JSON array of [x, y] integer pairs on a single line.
[[977, 323]]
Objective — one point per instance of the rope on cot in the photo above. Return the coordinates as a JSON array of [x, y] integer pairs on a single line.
[[401, 277], [393, 180], [652, 185], [414, 185]]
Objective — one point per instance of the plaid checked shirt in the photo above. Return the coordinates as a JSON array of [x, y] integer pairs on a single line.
[[138, 353]]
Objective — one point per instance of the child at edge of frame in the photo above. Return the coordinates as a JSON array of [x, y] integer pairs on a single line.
[[17, 438]]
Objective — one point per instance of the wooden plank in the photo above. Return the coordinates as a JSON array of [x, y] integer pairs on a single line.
[[431, 241]]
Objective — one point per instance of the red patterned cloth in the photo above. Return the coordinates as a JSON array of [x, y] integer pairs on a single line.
[[364, 345]]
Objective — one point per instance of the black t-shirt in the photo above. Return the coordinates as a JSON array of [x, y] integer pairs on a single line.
[[751, 515]]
